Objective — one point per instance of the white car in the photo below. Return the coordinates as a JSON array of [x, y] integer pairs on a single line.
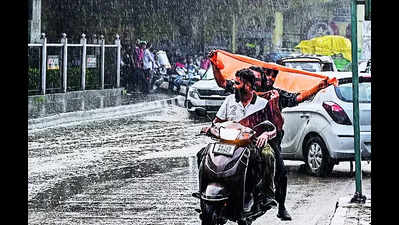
[[206, 94], [312, 63], [319, 131]]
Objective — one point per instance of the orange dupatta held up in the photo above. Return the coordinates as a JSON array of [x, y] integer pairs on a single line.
[[225, 65]]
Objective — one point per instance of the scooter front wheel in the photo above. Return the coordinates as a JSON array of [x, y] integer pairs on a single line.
[[244, 222], [209, 214]]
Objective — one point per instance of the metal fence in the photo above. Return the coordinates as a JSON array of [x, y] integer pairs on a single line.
[[62, 67]]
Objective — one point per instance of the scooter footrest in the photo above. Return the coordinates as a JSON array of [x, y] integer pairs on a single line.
[[254, 216]]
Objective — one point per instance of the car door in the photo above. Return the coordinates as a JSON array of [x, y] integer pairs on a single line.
[[295, 121]]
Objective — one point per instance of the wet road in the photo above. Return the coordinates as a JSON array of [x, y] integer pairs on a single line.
[[141, 169]]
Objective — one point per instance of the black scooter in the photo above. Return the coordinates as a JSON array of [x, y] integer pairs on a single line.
[[229, 177]]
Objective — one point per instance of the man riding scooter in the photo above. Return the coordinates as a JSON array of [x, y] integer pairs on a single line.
[[238, 107], [292, 90]]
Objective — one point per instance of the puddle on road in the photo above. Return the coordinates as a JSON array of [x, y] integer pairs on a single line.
[[160, 194], [119, 150], [60, 192]]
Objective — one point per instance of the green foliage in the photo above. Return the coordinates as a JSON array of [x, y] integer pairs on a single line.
[[144, 19], [75, 76], [92, 78], [54, 79], [33, 79], [193, 24], [40, 99]]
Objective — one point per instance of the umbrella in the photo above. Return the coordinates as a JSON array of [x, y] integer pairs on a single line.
[[327, 45]]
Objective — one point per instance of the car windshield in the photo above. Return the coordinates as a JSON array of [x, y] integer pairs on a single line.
[[308, 66], [208, 75], [344, 92]]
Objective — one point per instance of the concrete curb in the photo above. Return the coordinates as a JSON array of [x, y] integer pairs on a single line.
[[101, 113], [65, 118], [347, 213]]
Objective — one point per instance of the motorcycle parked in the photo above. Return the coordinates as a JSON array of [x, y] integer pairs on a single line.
[[173, 73], [183, 76], [192, 75], [229, 177], [159, 75]]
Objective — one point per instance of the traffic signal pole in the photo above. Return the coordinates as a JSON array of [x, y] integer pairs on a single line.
[[358, 197]]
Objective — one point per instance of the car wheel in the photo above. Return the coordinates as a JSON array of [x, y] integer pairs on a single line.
[[317, 159]]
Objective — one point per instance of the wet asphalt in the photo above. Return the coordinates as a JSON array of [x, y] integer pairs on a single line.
[[141, 169]]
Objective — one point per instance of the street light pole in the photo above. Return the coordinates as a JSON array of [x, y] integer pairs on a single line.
[[358, 197]]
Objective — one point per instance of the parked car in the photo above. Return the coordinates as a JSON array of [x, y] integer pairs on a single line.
[[275, 56], [205, 93], [319, 131], [312, 63]]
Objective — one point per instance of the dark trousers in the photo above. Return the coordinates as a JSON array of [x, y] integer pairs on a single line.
[[280, 177], [136, 78], [130, 79], [146, 81]]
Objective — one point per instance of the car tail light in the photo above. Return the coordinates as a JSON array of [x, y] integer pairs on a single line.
[[337, 113]]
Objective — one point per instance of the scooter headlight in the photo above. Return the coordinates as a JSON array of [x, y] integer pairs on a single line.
[[193, 93]]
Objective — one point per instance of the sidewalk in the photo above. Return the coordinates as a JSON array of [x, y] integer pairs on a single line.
[[102, 113], [348, 213]]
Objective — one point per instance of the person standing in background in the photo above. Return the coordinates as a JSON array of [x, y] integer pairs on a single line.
[[149, 65], [138, 61]]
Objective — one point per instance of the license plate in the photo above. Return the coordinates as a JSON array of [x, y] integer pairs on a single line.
[[224, 149]]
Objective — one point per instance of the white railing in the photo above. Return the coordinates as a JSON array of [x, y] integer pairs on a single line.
[[83, 43]]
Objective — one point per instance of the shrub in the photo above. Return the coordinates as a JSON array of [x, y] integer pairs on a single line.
[[54, 79]]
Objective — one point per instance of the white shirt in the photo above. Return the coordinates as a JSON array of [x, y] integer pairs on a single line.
[[235, 111], [148, 60]]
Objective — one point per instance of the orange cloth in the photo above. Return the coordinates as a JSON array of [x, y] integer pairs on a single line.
[[307, 93], [225, 65]]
